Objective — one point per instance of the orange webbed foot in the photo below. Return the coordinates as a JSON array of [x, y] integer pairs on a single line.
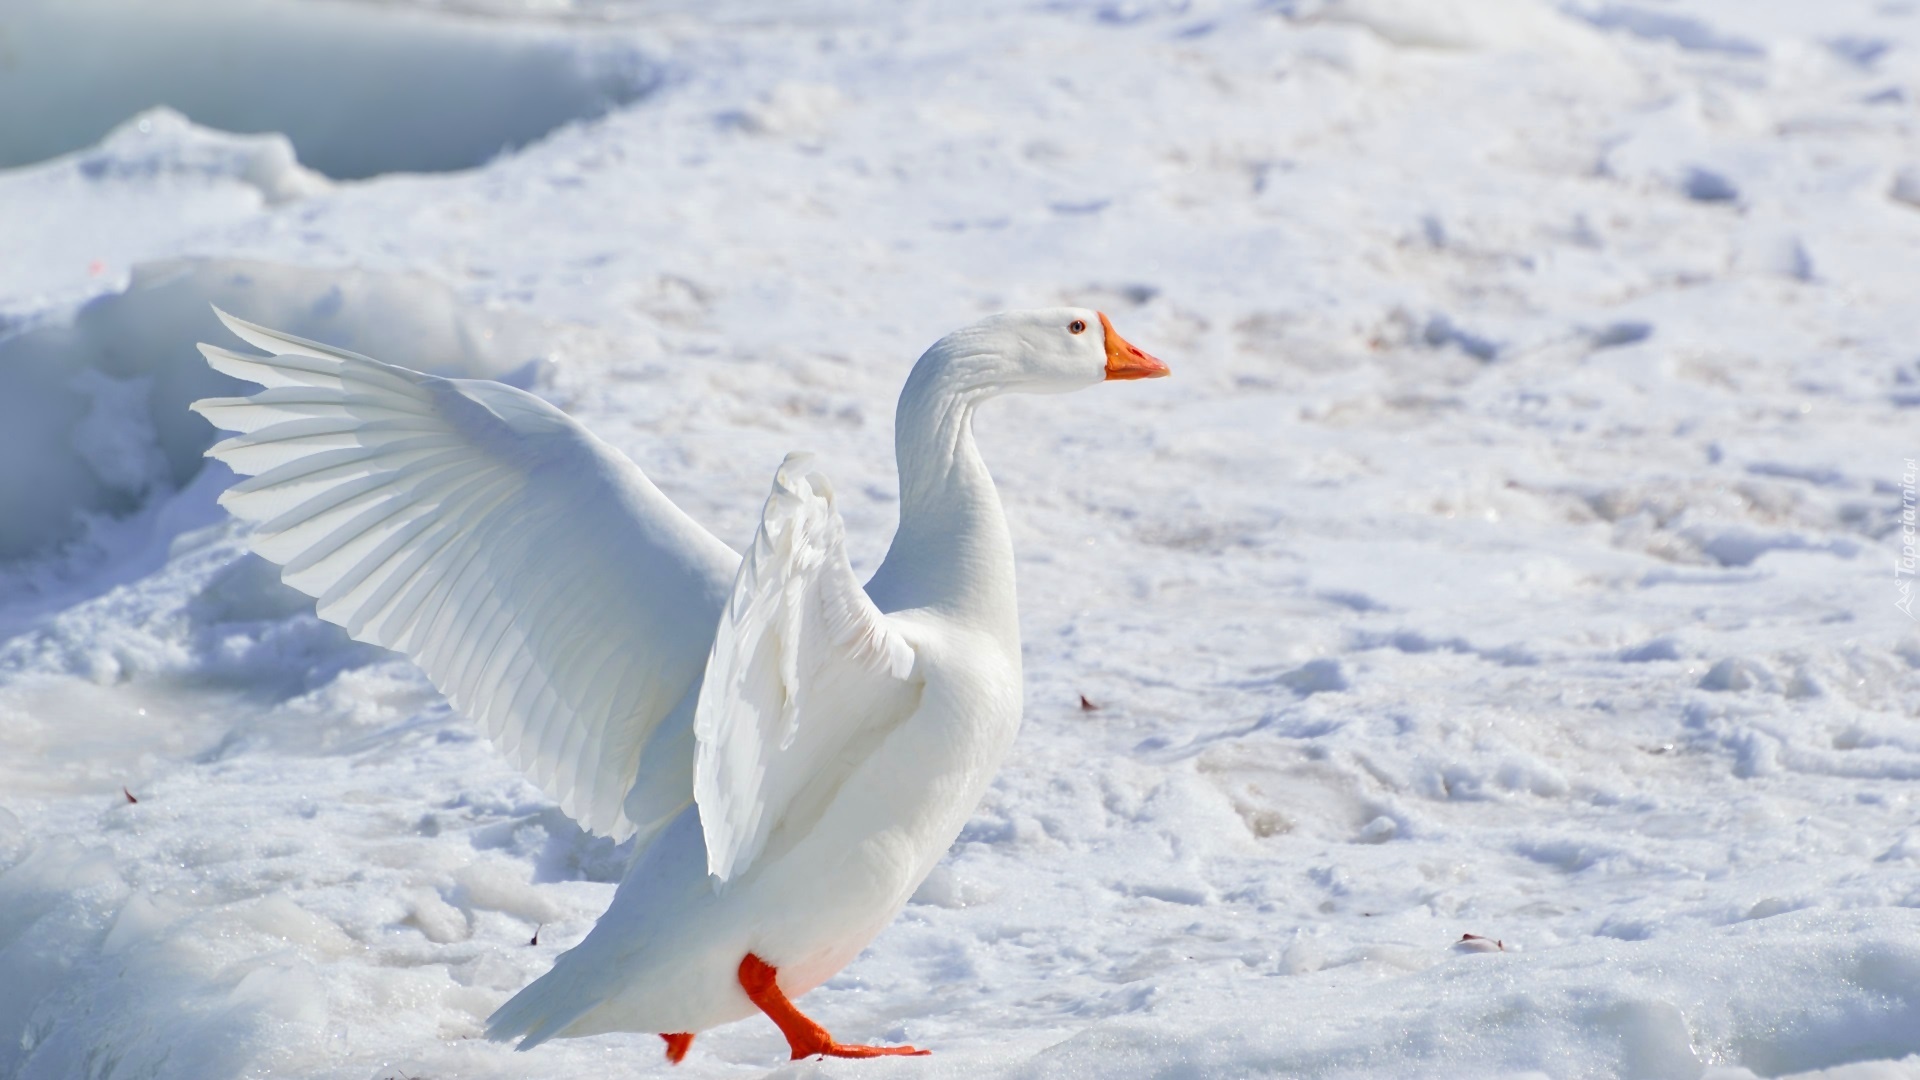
[[853, 1050], [677, 1045], [806, 1038]]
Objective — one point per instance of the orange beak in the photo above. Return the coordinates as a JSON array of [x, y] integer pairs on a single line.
[[1124, 361]]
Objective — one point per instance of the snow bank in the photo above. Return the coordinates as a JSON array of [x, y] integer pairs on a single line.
[[359, 88], [98, 405], [151, 185]]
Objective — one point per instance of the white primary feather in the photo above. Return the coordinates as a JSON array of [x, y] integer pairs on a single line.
[[806, 674], [534, 573]]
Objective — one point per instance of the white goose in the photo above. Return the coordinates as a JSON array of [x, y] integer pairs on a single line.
[[793, 752]]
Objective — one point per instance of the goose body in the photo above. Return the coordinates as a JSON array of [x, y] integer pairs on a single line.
[[792, 752]]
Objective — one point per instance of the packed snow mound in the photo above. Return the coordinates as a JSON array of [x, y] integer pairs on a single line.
[[98, 405], [162, 146], [154, 181], [360, 88]]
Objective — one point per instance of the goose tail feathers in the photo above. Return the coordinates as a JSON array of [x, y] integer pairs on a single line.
[[540, 1011]]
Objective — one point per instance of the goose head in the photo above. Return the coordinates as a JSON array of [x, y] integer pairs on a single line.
[[1045, 351]]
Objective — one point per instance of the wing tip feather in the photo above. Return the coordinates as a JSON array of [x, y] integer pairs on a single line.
[[244, 330], [309, 364]]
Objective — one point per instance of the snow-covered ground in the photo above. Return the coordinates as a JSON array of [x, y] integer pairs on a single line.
[[1514, 553]]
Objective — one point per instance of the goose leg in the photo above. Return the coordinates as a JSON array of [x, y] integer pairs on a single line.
[[677, 1045], [806, 1037]]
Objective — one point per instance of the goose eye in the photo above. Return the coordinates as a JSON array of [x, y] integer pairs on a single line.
[[1077, 326]]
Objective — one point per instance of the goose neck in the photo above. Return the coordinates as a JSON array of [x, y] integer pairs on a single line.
[[952, 551]]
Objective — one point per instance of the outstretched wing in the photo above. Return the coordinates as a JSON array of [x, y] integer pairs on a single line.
[[806, 676], [548, 589]]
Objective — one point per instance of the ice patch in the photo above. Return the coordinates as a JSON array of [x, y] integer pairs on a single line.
[[359, 88]]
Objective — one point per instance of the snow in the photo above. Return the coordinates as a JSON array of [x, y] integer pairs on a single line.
[[1513, 552], [403, 90]]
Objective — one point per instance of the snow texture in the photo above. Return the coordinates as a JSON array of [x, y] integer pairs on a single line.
[[1523, 547]]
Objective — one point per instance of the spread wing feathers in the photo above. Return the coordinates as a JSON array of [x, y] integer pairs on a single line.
[[537, 576], [806, 674]]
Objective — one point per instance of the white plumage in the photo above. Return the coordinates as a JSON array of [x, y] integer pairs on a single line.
[[803, 665], [531, 570], [794, 752]]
